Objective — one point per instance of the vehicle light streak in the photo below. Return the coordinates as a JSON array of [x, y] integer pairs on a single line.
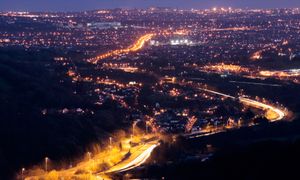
[[218, 93], [133, 163], [139, 44], [280, 114]]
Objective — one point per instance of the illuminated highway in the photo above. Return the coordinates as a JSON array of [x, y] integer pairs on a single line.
[[138, 155], [139, 44], [280, 115], [217, 93], [277, 113], [136, 159]]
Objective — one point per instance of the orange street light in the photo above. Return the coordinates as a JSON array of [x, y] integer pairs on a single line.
[[46, 164], [22, 173]]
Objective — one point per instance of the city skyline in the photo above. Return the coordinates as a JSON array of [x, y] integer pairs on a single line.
[[80, 5]]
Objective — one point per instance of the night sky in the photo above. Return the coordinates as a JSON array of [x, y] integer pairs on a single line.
[[78, 5]]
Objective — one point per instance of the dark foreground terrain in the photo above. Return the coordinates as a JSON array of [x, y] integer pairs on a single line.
[[31, 82], [262, 152]]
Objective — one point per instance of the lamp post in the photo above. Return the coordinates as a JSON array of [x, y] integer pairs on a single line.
[[22, 173], [46, 164], [89, 155], [110, 142], [133, 125]]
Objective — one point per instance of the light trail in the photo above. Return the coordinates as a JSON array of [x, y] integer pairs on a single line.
[[139, 155], [135, 160], [139, 44], [253, 103], [280, 114], [218, 93]]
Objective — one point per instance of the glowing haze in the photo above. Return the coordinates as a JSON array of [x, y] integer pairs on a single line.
[[79, 5]]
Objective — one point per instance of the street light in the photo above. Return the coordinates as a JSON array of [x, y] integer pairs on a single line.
[[133, 125], [22, 173], [110, 142], [174, 138], [89, 155], [46, 163]]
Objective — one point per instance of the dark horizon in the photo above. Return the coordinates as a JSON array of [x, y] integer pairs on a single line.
[[80, 5]]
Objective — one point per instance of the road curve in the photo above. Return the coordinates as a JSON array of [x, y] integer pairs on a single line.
[[253, 103], [135, 161], [280, 114]]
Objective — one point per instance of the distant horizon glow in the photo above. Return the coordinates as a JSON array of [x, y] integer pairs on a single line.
[[83, 5]]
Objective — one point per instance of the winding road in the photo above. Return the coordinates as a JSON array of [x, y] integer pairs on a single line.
[[139, 156], [136, 159], [253, 103]]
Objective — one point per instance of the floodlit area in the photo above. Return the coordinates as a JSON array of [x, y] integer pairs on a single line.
[[119, 156]]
